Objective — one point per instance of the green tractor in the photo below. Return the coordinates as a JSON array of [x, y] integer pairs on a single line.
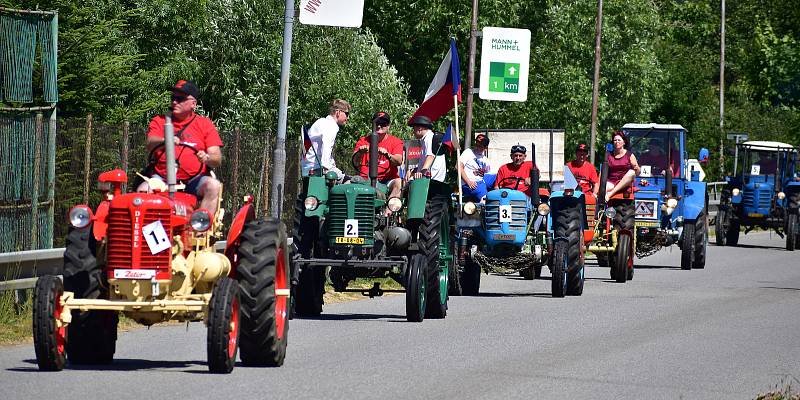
[[353, 230]]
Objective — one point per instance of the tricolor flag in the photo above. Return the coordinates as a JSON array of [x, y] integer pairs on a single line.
[[447, 140], [446, 84], [306, 139]]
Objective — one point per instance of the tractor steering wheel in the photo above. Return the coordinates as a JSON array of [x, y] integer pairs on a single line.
[[357, 165], [159, 154], [514, 180]]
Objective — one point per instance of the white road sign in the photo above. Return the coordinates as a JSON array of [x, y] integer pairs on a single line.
[[345, 13], [505, 57]]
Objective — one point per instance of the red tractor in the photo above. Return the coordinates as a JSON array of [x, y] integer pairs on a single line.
[[151, 257]]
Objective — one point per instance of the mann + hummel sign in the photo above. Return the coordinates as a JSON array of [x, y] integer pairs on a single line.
[[505, 54]]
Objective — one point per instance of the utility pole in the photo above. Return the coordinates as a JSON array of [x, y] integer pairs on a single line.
[[598, 29], [722, 91], [473, 39], [279, 154]]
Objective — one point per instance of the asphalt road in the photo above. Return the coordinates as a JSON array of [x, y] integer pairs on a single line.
[[727, 332]]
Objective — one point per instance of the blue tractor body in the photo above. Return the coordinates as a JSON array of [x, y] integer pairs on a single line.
[[671, 203]]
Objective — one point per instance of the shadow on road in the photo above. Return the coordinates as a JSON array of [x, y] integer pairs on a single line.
[[121, 364], [646, 266], [780, 288], [490, 294], [354, 317], [757, 246]]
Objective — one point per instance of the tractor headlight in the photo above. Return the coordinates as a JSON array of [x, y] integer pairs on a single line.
[[736, 191], [395, 204], [200, 220], [80, 216], [672, 203], [470, 208], [611, 212], [543, 209], [781, 195], [311, 203]]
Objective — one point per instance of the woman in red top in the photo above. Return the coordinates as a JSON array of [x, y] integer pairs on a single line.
[[622, 166]]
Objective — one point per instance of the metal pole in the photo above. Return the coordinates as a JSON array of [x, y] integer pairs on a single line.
[[279, 176], [473, 39], [37, 164], [237, 137], [598, 29], [51, 177], [87, 158], [722, 90], [126, 127]]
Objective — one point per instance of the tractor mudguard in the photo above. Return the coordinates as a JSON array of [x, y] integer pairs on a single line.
[[419, 191], [791, 189], [694, 200], [316, 186], [100, 224], [246, 214], [559, 200]]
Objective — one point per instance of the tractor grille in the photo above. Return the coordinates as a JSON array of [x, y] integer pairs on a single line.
[[757, 198], [363, 211], [519, 215], [120, 240]]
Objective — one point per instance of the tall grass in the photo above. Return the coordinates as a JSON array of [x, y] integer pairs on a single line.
[[15, 320]]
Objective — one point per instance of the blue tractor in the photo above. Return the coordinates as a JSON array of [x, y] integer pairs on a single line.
[[671, 204], [506, 232], [764, 192]]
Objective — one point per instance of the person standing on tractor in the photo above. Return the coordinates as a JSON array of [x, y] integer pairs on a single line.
[[518, 168], [584, 172], [390, 154], [474, 165], [193, 131], [322, 136], [429, 161], [622, 165]]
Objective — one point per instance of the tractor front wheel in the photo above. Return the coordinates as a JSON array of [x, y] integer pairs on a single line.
[[415, 289], [471, 278], [560, 267], [687, 245], [223, 326], [721, 226], [700, 242], [264, 283], [49, 334], [622, 259], [791, 232], [431, 238]]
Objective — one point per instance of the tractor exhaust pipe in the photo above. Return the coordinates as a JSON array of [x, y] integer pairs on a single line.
[[535, 199], [668, 177], [373, 155], [169, 147]]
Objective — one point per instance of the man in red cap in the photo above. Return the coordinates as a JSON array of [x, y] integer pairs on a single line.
[[390, 154], [584, 172], [192, 131]]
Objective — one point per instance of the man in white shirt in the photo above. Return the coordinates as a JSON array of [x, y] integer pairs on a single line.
[[429, 161], [474, 164], [322, 135]]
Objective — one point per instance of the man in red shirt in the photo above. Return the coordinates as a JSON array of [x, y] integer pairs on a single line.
[[584, 172], [518, 168], [390, 154], [192, 131]]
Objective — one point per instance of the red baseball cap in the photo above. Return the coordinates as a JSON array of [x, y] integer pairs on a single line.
[[186, 87], [582, 147]]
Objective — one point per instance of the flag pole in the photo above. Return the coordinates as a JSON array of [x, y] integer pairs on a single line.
[[457, 145]]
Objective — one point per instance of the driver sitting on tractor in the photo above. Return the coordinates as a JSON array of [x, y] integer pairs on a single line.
[[584, 172], [656, 158], [390, 154], [622, 166], [197, 147], [516, 174]]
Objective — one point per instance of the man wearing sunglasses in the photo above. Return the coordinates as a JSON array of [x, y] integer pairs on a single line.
[[390, 154], [322, 136], [517, 173], [192, 130]]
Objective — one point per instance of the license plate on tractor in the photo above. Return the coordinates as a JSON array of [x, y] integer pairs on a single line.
[[349, 240], [504, 236]]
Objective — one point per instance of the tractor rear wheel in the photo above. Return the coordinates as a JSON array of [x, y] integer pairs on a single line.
[[687, 245], [415, 288], [454, 279], [264, 281], [307, 295], [92, 335], [700, 242], [622, 259], [223, 326], [432, 241], [49, 336], [721, 227], [791, 232]]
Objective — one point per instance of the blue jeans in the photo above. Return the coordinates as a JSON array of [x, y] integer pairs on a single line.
[[478, 193]]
